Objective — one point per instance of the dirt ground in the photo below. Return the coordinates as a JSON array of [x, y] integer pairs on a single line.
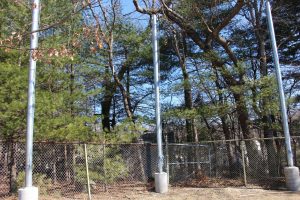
[[185, 194]]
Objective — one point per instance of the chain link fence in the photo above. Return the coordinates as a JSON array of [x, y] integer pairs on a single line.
[[60, 169], [252, 163]]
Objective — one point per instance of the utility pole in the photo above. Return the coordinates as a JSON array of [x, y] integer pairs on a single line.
[[291, 172], [161, 178], [29, 192]]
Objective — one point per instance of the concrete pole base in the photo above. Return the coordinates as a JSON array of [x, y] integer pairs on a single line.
[[292, 178], [161, 182], [28, 193]]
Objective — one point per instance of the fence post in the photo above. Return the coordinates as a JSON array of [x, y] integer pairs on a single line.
[[295, 150], [87, 172], [209, 160], [243, 146], [104, 168], [54, 172], [140, 156], [167, 158]]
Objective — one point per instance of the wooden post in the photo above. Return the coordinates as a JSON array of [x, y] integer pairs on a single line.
[[243, 146], [104, 167], [167, 157], [87, 172]]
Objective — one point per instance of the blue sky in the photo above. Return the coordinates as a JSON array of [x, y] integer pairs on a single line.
[[128, 8]]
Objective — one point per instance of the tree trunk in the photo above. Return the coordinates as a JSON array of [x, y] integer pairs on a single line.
[[140, 157], [13, 168], [71, 162], [253, 147], [54, 170], [106, 105], [73, 156], [72, 87], [230, 155], [242, 112], [114, 115], [148, 160], [192, 135], [265, 116], [125, 95], [271, 151], [229, 147], [66, 167], [5, 152], [110, 89], [126, 98]]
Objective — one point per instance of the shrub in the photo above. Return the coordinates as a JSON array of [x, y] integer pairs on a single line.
[[106, 168], [38, 179]]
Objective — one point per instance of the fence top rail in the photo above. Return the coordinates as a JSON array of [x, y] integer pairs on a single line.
[[188, 144], [249, 139], [183, 163], [201, 143]]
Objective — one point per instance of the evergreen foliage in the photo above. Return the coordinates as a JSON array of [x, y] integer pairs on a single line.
[[95, 65]]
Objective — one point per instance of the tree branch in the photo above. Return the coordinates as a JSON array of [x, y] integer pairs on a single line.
[[178, 19], [148, 11], [236, 9], [228, 50]]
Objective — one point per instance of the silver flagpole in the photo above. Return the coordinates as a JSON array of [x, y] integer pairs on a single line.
[[31, 91], [161, 178], [280, 88], [291, 173], [157, 98], [29, 192]]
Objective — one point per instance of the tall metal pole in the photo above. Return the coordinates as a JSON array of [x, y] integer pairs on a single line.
[[157, 101], [280, 88], [31, 91]]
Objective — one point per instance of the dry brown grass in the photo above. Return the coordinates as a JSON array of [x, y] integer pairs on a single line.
[[179, 193]]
